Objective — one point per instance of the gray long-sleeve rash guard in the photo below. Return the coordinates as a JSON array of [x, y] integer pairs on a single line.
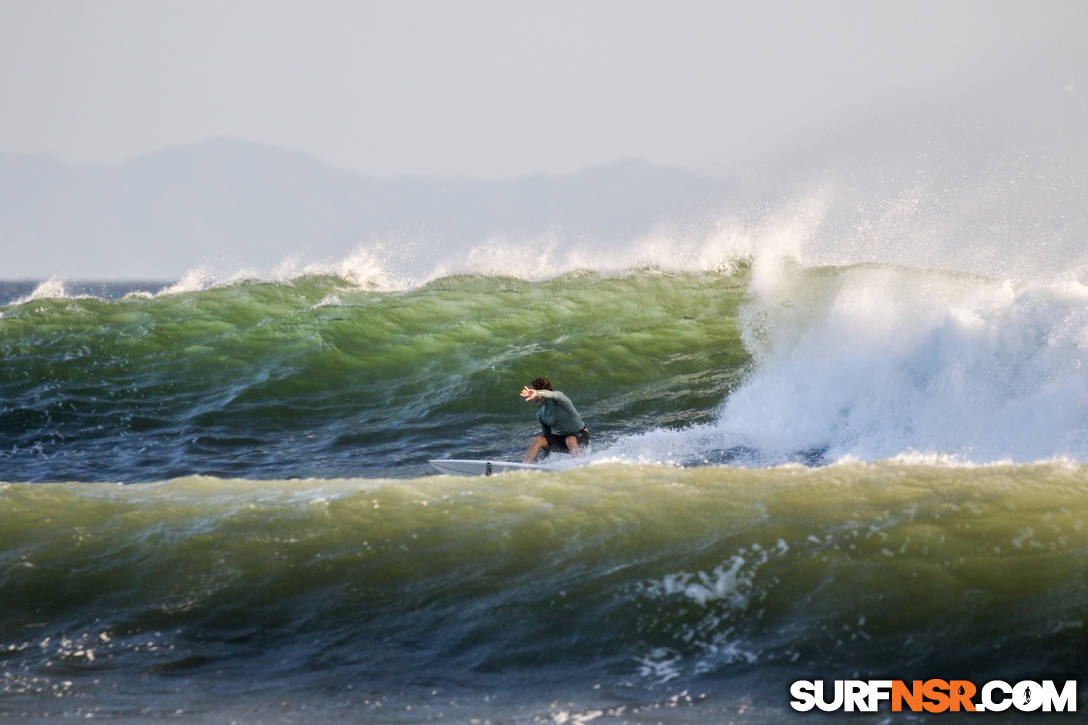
[[557, 415]]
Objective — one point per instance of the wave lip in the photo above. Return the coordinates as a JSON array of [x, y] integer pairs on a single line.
[[52, 288]]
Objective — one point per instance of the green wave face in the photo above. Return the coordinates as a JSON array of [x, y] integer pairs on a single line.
[[647, 579], [319, 378]]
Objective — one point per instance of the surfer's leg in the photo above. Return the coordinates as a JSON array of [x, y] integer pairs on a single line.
[[572, 446], [537, 445]]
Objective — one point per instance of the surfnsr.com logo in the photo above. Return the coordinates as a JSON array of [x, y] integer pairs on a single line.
[[933, 696]]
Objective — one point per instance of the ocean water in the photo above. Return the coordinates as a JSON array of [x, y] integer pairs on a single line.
[[216, 503]]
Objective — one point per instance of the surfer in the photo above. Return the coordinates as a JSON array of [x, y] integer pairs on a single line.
[[562, 429]]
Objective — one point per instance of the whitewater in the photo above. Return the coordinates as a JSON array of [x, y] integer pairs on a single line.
[[812, 457]]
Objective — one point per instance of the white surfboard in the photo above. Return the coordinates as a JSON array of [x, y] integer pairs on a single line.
[[467, 467]]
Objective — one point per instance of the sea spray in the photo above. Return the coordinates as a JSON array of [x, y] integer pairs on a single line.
[[873, 361]]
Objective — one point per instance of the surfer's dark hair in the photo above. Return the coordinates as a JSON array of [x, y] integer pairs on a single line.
[[542, 383]]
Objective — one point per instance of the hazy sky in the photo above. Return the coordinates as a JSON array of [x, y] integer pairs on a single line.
[[505, 88]]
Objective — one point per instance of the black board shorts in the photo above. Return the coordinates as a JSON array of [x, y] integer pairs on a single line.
[[558, 444]]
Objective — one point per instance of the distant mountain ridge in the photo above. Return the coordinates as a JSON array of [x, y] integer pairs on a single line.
[[241, 203]]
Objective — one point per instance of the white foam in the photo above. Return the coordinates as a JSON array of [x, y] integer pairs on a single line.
[[882, 361], [402, 266], [876, 362], [194, 280], [328, 301], [52, 288], [701, 587], [369, 267]]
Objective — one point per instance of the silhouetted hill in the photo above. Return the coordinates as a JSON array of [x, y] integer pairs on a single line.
[[241, 203]]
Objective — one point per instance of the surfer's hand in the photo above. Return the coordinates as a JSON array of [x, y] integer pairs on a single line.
[[528, 393]]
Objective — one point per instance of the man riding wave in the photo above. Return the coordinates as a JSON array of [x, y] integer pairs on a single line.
[[562, 429]]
